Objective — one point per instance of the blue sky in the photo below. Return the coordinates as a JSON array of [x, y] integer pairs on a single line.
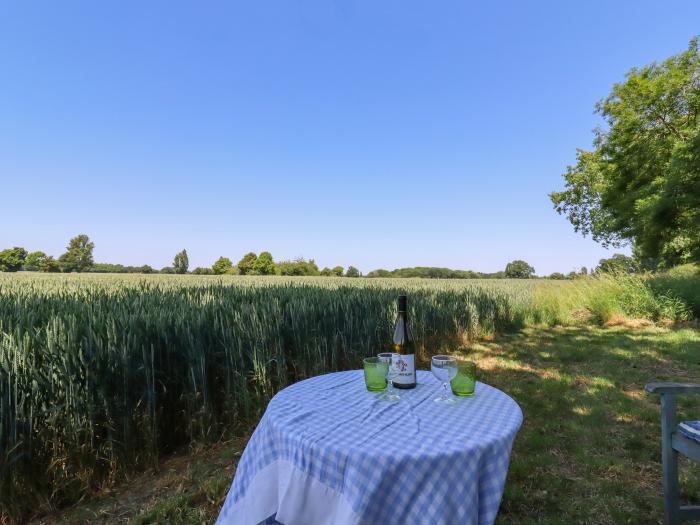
[[371, 133]]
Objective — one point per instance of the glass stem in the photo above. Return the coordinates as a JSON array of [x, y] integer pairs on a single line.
[[444, 394]]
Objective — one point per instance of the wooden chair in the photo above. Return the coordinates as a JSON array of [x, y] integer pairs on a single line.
[[672, 442]]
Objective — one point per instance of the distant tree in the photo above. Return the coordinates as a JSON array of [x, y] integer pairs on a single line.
[[352, 272], [519, 270], [298, 266], [78, 256], [584, 270], [33, 261], [203, 271], [572, 275], [222, 265], [246, 266], [181, 262], [12, 259], [337, 271], [379, 273], [146, 269], [264, 264], [167, 270], [557, 276], [50, 265], [618, 263], [326, 272]]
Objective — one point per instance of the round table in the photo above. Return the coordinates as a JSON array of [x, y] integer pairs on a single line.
[[327, 451]]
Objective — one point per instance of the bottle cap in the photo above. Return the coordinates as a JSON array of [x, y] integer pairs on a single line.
[[402, 303]]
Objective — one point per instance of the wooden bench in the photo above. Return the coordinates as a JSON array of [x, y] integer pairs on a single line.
[[673, 442]]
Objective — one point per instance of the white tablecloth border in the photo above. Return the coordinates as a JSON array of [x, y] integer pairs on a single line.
[[296, 497]]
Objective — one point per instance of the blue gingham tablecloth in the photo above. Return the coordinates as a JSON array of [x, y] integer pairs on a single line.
[[327, 451]]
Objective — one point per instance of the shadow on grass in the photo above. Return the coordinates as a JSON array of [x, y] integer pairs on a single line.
[[589, 448]]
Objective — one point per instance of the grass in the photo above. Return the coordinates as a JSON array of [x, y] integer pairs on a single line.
[[588, 450]]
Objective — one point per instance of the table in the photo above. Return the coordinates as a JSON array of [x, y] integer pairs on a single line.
[[327, 451]]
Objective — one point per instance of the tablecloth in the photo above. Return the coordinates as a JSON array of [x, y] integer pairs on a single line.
[[327, 451]]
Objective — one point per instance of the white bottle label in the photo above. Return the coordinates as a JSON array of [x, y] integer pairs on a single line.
[[406, 368]]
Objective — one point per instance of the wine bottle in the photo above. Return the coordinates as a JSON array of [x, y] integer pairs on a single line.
[[403, 345]]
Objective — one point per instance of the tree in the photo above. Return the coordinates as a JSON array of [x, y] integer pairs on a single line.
[[326, 272], [641, 183], [246, 266], [299, 266], [352, 272], [618, 263], [584, 270], [12, 259], [557, 276], [519, 270], [203, 271], [40, 262], [167, 270], [78, 256], [222, 265], [337, 271], [181, 262], [264, 264]]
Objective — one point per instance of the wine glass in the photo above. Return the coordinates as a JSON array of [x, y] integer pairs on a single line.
[[444, 368], [390, 359]]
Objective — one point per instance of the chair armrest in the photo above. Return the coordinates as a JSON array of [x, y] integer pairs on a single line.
[[672, 388]]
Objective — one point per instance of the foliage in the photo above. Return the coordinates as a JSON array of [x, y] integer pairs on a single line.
[[78, 255], [682, 282], [264, 264], [429, 272], [519, 270], [618, 263], [557, 276], [40, 262], [167, 270], [12, 259], [352, 272], [300, 267], [119, 268], [181, 262], [246, 266], [222, 265], [337, 271], [641, 183], [203, 271]]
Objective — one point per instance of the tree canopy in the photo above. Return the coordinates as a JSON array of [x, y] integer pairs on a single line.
[[78, 256], [12, 259], [618, 263], [181, 262], [222, 265], [519, 270], [641, 182]]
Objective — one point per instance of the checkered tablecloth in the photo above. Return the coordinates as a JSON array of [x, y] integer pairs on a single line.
[[327, 451]]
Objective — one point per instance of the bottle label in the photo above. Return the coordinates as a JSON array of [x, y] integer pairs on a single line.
[[406, 369]]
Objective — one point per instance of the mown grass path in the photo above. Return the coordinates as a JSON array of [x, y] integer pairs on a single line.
[[588, 451]]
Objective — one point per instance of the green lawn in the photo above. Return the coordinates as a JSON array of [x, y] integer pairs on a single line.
[[588, 451]]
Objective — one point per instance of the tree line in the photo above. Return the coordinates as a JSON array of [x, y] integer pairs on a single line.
[[78, 257]]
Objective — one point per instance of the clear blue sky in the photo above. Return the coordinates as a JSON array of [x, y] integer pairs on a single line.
[[372, 133]]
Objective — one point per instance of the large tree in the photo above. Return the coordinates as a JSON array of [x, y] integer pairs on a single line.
[[78, 256], [222, 265], [246, 265], [264, 264], [181, 262], [641, 182], [519, 270], [12, 259]]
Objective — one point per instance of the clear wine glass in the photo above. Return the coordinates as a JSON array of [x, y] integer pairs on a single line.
[[444, 368], [390, 359]]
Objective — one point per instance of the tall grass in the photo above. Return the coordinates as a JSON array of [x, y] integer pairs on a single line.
[[100, 375]]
